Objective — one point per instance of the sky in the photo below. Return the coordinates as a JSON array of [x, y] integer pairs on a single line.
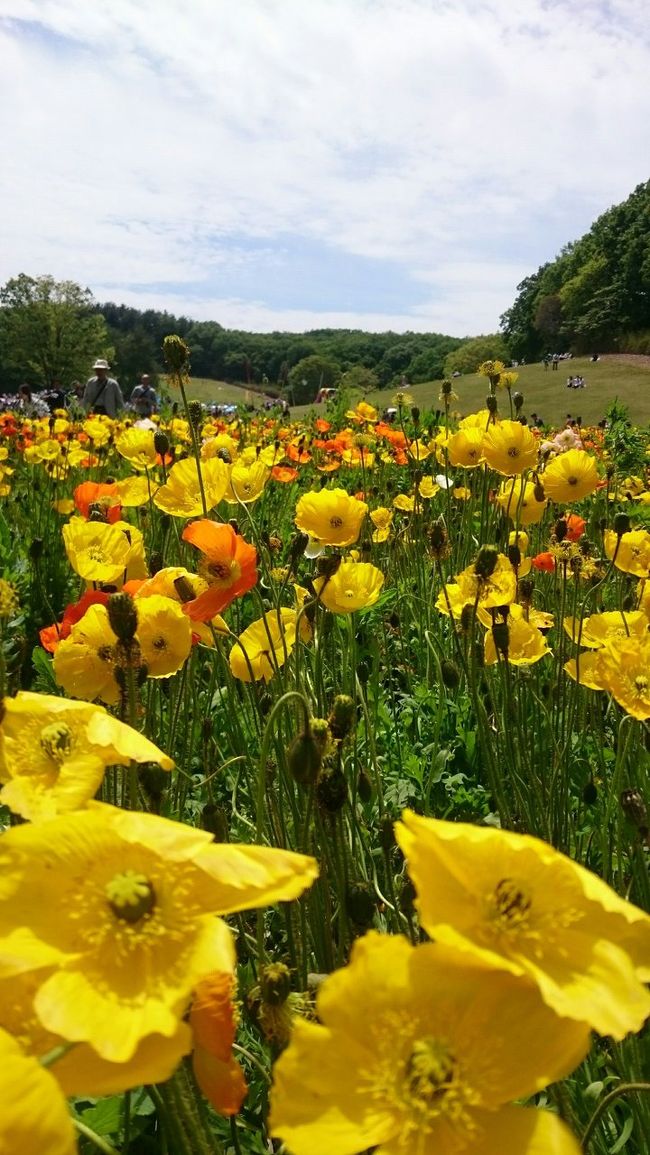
[[301, 164]]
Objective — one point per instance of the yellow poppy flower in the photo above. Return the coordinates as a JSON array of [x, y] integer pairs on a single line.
[[84, 662], [135, 491], [509, 448], [221, 445], [584, 670], [355, 586], [570, 476], [465, 448], [137, 446], [451, 598], [623, 668], [53, 753], [164, 633], [382, 519], [419, 450], [81, 1071], [98, 429], [34, 1116], [597, 629], [128, 901], [518, 501], [175, 582], [98, 552], [519, 905], [436, 1045], [136, 565], [428, 488], [519, 538], [246, 482], [525, 644], [489, 587], [264, 646], [630, 553], [331, 516], [479, 420], [181, 496], [65, 505], [405, 502]]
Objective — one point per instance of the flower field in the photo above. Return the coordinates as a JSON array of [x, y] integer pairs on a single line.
[[324, 781]]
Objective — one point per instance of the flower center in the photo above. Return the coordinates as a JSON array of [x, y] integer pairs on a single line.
[[511, 905], [641, 683], [97, 554], [513, 451], [130, 896], [430, 1071], [57, 741], [572, 480], [336, 522]]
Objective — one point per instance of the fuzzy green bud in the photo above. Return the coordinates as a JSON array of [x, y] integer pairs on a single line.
[[122, 616], [275, 984], [343, 717]]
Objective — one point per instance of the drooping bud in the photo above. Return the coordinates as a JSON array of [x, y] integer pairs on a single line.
[[361, 904], [305, 754], [328, 566], [364, 786], [343, 716], [176, 353], [215, 821], [560, 529], [122, 616], [450, 674], [486, 562], [514, 556], [539, 493]]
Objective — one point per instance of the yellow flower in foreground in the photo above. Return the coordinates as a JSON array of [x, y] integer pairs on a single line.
[[355, 586], [81, 1071], [96, 551], [331, 516], [84, 662], [125, 905], [137, 446], [264, 646], [570, 476], [509, 448], [597, 629], [34, 1116], [53, 753], [164, 633], [519, 905], [524, 641], [623, 669], [246, 482], [181, 496], [465, 448], [135, 491], [630, 553], [438, 1053], [489, 582], [518, 501]]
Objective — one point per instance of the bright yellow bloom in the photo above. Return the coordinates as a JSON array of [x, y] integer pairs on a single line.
[[597, 629], [81, 1071], [518, 501], [164, 633], [519, 538], [355, 586], [84, 662], [98, 552], [630, 553], [135, 491], [264, 646], [405, 502], [382, 519], [525, 643], [53, 753], [181, 496], [509, 448], [136, 565], [64, 506], [519, 905], [491, 369], [137, 446], [419, 450], [428, 488], [623, 668], [435, 1043], [570, 476], [499, 588], [246, 482], [34, 1116], [479, 420], [98, 429], [465, 447], [221, 445], [451, 598], [331, 516], [127, 902]]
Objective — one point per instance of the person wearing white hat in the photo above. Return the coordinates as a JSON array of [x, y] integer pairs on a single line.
[[102, 393]]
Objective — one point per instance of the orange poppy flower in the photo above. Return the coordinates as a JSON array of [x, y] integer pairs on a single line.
[[575, 526], [213, 1021], [544, 561], [284, 473], [228, 565], [298, 453], [101, 494], [322, 425], [329, 466]]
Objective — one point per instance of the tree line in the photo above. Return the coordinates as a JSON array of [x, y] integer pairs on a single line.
[[595, 296]]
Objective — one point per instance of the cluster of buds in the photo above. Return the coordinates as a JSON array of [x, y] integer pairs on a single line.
[[123, 620]]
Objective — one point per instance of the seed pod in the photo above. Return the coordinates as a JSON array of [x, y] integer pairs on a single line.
[[486, 562], [122, 616], [621, 524], [332, 790], [360, 904], [161, 442], [450, 674]]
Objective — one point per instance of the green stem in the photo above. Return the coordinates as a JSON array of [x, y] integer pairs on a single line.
[[97, 1140], [617, 1093]]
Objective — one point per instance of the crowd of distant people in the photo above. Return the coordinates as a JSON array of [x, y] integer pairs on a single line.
[[101, 394]]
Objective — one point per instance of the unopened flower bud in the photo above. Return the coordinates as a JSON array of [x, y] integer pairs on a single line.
[[328, 566], [215, 820], [467, 618], [560, 529], [621, 524], [514, 556], [122, 616], [343, 716], [183, 587], [275, 984], [450, 674], [361, 904], [590, 793], [486, 562], [161, 442], [364, 786], [539, 493], [305, 757], [501, 635], [332, 790], [518, 399], [195, 413], [635, 809], [491, 403], [36, 548], [415, 415], [446, 387], [438, 538]]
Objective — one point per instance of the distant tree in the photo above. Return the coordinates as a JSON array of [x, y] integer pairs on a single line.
[[310, 375], [49, 330], [358, 377], [548, 317], [469, 355]]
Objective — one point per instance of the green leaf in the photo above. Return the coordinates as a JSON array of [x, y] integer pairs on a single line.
[[106, 1117]]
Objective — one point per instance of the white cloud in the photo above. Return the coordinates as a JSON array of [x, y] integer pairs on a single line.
[[147, 144]]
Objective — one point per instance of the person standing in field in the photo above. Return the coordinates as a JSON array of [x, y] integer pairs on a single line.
[[102, 393], [143, 398]]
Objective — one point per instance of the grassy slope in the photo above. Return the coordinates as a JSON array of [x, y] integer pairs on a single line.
[[544, 392]]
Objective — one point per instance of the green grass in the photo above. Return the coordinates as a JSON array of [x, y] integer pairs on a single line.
[[545, 393]]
